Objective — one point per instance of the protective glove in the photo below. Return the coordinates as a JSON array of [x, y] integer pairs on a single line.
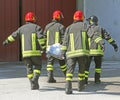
[[5, 42], [115, 47]]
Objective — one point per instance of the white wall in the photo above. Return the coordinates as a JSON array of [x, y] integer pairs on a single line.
[[108, 12]]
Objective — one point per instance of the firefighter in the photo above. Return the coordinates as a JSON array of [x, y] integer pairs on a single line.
[[32, 43], [54, 33], [96, 52], [75, 46]]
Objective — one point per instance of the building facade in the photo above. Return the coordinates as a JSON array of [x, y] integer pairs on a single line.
[[12, 16]]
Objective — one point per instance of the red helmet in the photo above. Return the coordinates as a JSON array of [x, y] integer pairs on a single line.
[[30, 16], [78, 15], [57, 15]]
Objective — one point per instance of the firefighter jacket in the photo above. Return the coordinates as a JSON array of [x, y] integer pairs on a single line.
[[95, 48], [75, 42], [54, 33], [31, 37]]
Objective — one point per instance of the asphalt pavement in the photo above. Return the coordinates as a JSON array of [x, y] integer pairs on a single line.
[[14, 84]]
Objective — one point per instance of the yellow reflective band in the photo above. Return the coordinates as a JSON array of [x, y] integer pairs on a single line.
[[49, 65], [98, 70], [64, 66], [98, 39], [57, 37], [68, 79], [11, 39], [23, 41], [37, 71], [47, 39], [64, 69], [41, 41], [110, 40], [72, 42], [84, 40], [77, 53], [64, 48], [81, 78], [86, 76], [89, 40], [30, 75], [33, 41], [96, 51], [31, 53], [43, 47], [81, 75], [49, 69], [68, 74], [86, 72]]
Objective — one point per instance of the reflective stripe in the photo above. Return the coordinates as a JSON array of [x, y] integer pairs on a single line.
[[64, 48], [68, 79], [110, 40], [98, 70], [47, 39], [81, 78], [84, 40], [98, 39], [31, 53], [96, 51], [33, 41], [49, 67], [89, 40], [41, 41], [86, 74], [77, 53], [11, 39], [30, 75], [63, 68], [81, 75], [68, 74], [57, 37], [72, 42], [23, 41], [37, 71]]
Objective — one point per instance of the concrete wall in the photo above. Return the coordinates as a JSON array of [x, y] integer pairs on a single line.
[[108, 12]]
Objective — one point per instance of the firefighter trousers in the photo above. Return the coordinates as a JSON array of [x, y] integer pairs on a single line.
[[98, 62], [33, 64], [51, 61], [71, 63]]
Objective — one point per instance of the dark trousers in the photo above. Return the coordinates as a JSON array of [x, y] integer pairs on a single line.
[[97, 60], [51, 60], [33, 63], [81, 64]]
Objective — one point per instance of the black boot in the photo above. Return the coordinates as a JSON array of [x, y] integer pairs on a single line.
[[68, 87], [31, 83], [97, 78], [50, 77], [81, 85], [35, 84]]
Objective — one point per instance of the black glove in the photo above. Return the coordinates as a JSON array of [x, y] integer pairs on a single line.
[[115, 47], [5, 42]]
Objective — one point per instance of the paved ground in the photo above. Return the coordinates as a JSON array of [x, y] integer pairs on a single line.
[[15, 86]]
